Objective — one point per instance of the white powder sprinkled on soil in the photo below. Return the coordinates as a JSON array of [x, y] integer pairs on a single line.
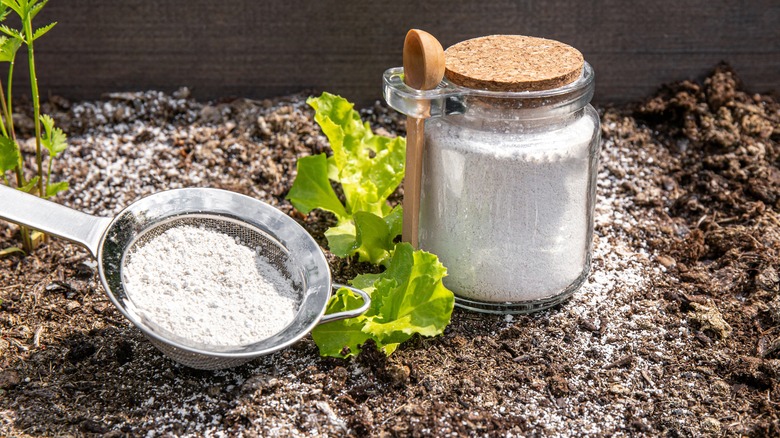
[[115, 161], [204, 286]]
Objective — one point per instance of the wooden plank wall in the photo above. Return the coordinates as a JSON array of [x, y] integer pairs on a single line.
[[253, 48]]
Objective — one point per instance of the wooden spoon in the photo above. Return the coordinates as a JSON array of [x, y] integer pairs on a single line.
[[423, 70]]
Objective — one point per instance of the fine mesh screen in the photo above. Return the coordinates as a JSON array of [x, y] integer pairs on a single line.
[[251, 237], [198, 361], [246, 235]]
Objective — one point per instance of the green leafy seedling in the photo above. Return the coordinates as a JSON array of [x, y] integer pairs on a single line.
[[48, 138], [408, 298]]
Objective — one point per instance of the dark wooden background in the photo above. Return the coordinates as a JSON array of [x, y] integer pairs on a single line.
[[254, 48]]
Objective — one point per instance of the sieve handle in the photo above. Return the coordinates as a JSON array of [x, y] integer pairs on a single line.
[[31, 211], [349, 313]]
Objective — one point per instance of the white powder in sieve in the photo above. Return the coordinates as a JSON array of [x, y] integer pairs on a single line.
[[204, 286], [508, 214]]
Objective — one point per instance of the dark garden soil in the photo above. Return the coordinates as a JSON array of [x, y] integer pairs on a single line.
[[676, 332]]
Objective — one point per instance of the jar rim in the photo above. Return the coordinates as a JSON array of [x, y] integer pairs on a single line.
[[451, 99]]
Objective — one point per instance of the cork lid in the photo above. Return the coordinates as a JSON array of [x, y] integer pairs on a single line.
[[512, 63]]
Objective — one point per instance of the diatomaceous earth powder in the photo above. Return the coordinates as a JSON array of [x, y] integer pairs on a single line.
[[204, 286], [508, 213]]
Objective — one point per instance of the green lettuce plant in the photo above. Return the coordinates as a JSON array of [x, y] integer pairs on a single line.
[[47, 136], [368, 168], [408, 297]]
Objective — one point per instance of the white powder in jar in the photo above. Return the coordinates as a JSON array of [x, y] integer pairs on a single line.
[[206, 287], [509, 213]]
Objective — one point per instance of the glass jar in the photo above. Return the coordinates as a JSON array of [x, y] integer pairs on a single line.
[[508, 188]]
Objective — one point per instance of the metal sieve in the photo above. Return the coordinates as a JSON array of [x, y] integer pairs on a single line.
[[271, 233]]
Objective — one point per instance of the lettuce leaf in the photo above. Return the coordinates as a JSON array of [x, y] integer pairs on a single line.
[[312, 189], [407, 298], [374, 235]]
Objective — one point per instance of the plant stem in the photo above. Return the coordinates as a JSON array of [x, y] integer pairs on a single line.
[[27, 243], [9, 120], [20, 179], [5, 111], [36, 105], [26, 233], [9, 109], [48, 173], [8, 97]]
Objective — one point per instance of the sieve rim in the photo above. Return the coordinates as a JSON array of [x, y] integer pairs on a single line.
[[217, 204]]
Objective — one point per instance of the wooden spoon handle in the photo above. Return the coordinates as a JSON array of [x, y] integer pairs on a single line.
[[413, 179], [424, 68]]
